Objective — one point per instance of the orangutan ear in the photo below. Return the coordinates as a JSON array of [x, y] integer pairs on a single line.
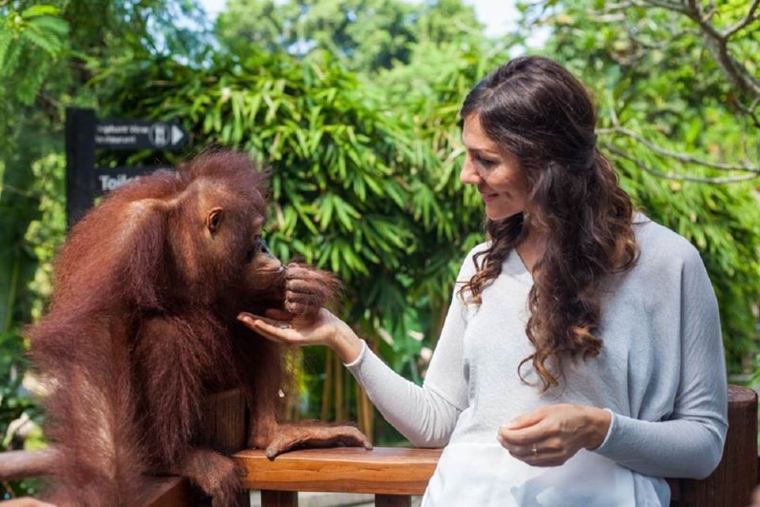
[[214, 220]]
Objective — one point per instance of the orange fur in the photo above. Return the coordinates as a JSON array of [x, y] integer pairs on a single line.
[[143, 325]]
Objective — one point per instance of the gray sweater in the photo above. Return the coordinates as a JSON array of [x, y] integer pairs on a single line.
[[661, 374]]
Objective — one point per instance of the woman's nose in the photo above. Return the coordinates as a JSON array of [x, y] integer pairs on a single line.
[[469, 175]]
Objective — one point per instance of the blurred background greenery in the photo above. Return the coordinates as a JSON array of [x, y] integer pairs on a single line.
[[353, 104]]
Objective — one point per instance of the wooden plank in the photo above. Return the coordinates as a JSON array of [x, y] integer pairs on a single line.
[[383, 470]]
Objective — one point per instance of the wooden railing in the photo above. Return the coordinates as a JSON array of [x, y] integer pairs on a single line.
[[394, 475]]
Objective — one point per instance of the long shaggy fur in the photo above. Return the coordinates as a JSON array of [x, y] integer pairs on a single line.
[[142, 326]]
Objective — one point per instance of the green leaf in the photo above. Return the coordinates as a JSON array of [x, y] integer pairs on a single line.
[[54, 25], [6, 38], [40, 10]]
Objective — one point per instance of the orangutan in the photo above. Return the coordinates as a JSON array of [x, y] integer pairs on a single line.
[[142, 326]]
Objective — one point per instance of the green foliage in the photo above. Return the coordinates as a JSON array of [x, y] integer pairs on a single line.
[[12, 404], [20, 200], [33, 41], [366, 35], [15, 403], [30, 38], [341, 166], [668, 90], [45, 235]]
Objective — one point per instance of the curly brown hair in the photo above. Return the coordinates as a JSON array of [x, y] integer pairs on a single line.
[[535, 109]]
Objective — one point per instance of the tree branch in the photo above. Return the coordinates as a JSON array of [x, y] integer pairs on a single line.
[[621, 6], [686, 159], [717, 42], [750, 110], [671, 6], [748, 19], [673, 176], [4, 187]]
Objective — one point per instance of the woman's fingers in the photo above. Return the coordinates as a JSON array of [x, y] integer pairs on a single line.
[[265, 326], [289, 329], [550, 435]]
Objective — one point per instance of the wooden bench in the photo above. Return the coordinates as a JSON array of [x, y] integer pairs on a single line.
[[394, 475]]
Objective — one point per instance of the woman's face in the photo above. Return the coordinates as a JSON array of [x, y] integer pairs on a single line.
[[500, 179]]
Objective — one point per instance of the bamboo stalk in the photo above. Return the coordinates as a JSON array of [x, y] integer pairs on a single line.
[[340, 414], [365, 412], [327, 386]]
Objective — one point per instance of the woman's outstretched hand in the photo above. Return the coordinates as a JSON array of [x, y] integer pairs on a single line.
[[551, 435], [25, 502], [297, 331]]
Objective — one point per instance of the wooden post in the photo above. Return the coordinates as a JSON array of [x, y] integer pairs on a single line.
[[271, 498], [225, 428], [393, 501], [731, 484], [224, 421]]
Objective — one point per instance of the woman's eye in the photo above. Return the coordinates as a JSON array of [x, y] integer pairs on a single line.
[[486, 162]]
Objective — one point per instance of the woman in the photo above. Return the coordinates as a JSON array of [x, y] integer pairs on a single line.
[[581, 360]]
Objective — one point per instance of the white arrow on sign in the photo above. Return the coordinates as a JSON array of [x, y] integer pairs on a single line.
[[177, 135]]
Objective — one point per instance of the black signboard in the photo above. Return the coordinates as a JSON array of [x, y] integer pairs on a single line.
[[85, 133]]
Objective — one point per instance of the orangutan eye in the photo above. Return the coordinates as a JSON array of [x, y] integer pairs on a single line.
[[258, 245]]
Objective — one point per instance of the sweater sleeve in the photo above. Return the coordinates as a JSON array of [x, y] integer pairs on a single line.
[[688, 443], [419, 413], [427, 414]]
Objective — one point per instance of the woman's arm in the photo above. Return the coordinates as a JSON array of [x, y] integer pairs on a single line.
[[420, 413], [426, 414], [690, 443]]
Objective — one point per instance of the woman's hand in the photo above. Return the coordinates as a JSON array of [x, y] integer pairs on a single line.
[[324, 328], [551, 435], [25, 502]]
